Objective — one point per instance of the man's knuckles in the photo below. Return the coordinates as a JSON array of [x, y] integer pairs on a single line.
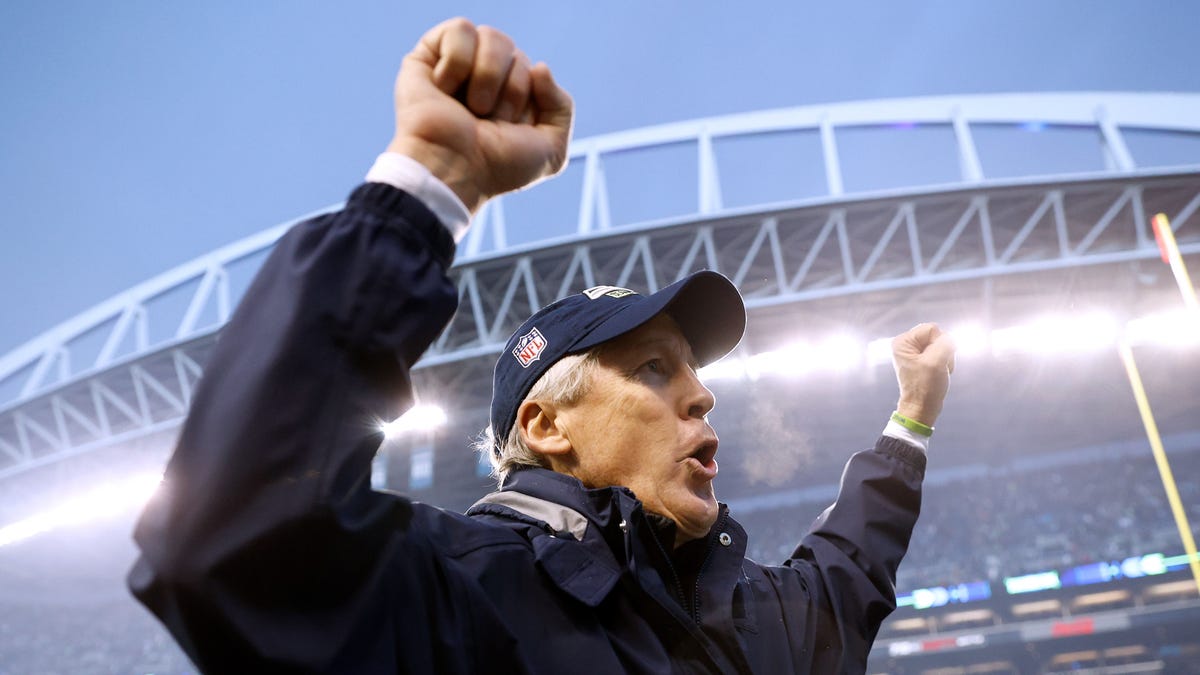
[[496, 41], [449, 34], [457, 23], [494, 57]]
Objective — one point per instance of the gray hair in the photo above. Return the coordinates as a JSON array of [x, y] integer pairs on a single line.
[[564, 383]]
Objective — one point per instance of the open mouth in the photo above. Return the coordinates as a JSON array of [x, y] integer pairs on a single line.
[[703, 459]]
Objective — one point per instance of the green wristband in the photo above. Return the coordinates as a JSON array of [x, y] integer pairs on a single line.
[[911, 424]]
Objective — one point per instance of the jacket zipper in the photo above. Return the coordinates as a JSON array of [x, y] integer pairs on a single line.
[[704, 565], [693, 607], [671, 566]]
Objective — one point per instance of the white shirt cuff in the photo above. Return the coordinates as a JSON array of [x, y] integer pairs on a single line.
[[902, 433], [405, 173]]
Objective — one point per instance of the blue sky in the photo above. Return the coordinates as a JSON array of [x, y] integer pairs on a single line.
[[137, 135]]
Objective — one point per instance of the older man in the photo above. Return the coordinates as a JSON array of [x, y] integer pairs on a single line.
[[604, 551]]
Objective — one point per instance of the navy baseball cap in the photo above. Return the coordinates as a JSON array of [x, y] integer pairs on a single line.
[[706, 306]]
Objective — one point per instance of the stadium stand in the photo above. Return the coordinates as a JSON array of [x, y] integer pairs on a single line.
[[1009, 522]]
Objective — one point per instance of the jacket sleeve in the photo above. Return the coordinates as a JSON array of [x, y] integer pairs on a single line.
[[848, 560], [265, 543]]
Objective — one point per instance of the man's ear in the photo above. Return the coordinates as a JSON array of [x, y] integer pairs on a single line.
[[538, 424]]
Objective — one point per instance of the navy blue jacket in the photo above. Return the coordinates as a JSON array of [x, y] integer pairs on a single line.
[[267, 551]]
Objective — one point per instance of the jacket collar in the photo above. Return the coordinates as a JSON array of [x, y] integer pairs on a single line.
[[581, 537], [574, 532], [546, 484], [558, 518]]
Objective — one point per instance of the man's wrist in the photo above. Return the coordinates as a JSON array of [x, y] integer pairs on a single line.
[[408, 174], [919, 413], [895, 430], [912, 425], [449, 168]]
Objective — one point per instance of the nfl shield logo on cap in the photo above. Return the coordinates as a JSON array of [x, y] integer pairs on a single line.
[[529, 347]]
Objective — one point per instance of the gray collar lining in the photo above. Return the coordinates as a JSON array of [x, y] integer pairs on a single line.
[[557, 516]]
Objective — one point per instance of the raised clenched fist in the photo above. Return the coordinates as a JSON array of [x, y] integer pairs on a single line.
[[476, 113], [923, 358]]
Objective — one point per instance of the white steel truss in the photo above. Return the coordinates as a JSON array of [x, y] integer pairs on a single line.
[[135, 397], [68, 399], [778, 257]]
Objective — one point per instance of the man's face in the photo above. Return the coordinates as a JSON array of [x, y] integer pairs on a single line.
[[642, 425]]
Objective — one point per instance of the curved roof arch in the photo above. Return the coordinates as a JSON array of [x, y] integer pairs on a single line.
[[849, 241]]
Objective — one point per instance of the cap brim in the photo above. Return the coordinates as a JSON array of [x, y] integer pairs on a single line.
[[706, 305]]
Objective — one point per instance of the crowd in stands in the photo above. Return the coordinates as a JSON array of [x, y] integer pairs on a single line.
[[1011, 521]]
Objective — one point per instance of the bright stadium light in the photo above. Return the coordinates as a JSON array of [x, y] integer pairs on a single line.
[[418, 418], [879, 352], [794, 359], [108, 500], [970, 340], [1061, 334], [729, 368], [770, 361], [1169, 329], [838, 353]]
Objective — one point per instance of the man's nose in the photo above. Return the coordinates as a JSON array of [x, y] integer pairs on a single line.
[[700, 399]]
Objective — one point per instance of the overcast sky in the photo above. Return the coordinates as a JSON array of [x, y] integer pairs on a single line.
[[137, 135]]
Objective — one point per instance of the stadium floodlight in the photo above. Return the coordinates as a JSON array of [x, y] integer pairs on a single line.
[[1061, 334], [1169, 329], [418, 418], [791, 360], [970, 340], [728, 368], [795, 359], [836, 353], [879, 352], [108, 500]]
